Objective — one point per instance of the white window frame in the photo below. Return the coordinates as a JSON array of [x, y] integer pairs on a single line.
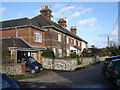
[[59, 37], [67, 39], [54, 50], [71, 41], [60, 52], [37, 37], [79, 43], [68, 52], [74, 42]]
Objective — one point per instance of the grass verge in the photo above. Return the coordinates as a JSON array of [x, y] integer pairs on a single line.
[[18, 77]]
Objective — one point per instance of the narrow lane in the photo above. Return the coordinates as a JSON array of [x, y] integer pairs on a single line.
[[84, 78]]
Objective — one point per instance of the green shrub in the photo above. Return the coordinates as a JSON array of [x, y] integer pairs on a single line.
[[66, 56], [74, 55], [79, 61], [48, 53]]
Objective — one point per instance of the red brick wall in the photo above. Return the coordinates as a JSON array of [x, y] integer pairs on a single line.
[[27, 33], [8, 33], [51, 41], [49, 38], [22, 32], [33, 43]]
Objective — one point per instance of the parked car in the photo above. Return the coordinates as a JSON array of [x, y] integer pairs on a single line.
[[8, 83], [107, 61], [32, 65], [113, 71]]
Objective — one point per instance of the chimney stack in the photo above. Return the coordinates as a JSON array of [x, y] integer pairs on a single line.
[[73, 29], [62, 22], [45, 11]]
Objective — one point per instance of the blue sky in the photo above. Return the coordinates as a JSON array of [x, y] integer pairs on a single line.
[[94, 20]]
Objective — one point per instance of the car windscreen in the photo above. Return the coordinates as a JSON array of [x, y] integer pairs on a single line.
[[112, 58], [6, 83], [31, 60]]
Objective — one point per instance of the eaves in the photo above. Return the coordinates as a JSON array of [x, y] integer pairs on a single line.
[[22, 27]]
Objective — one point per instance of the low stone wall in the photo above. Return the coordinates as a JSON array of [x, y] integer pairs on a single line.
[[88, 60], [14, 69], [102, 58], [59, 64], [69, 64]]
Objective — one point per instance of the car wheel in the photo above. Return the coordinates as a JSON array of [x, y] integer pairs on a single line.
[[118, 82], [32, 71]]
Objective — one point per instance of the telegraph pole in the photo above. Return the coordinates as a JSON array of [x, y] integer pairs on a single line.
[[119, 25], [108, 41]]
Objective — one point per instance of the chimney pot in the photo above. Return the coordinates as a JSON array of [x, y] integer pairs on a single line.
[[45, 11], [73, 29], [62, 22]]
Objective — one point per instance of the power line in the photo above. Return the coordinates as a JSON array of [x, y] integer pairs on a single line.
[[65, 8], [113, 28], [116, 22]]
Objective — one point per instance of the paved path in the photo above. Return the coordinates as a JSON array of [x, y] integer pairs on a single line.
[[85, 78]]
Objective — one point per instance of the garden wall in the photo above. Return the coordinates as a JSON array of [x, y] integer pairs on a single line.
[[14, 69], [59, 64], [68, 64]]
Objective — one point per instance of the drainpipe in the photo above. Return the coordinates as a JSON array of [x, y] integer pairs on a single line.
[[16, 31], [51, 39]]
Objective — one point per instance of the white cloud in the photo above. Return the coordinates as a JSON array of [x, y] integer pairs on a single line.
[[102, 44], [84, 11], [91, 43], [2, 9], [68, 8], [61, 8], [76, 14], [104, 41], [87, 22], [114, 33]]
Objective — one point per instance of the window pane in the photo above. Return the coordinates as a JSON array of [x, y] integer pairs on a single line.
[[59, 37], [38, 37]]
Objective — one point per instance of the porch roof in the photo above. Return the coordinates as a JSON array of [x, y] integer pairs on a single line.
[[18, 44], [26, 49]]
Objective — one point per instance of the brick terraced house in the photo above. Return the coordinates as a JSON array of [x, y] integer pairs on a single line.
[[41, 33]]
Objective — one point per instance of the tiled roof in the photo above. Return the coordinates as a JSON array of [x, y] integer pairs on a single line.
[[46, 22], [17, 44], [15, 22], [39, 21], [14, 42]]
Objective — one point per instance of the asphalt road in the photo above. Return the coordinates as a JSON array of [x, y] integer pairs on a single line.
[[84, 78]]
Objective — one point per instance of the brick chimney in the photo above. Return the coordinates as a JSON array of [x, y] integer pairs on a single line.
[[45, 11], [62, 22], [73, 29]]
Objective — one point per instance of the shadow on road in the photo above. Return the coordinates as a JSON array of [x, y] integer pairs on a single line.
[[85, 78]]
